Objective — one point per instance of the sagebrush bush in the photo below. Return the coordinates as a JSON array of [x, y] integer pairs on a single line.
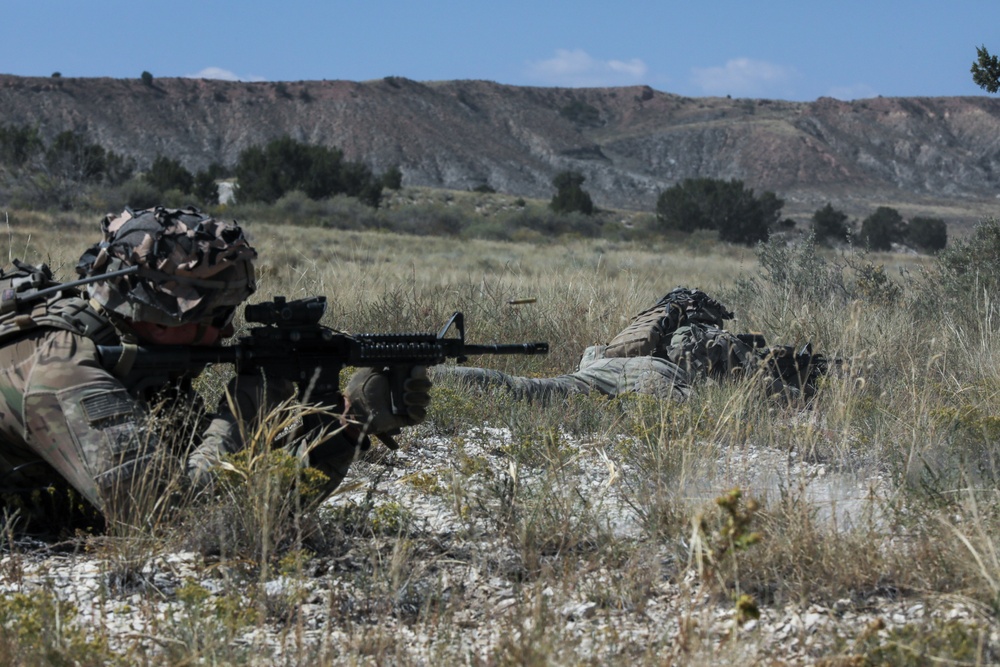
[[44, 630], [962, 282]]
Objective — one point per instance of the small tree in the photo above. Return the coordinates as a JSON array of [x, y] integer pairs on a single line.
[[72, 157], [267, 173], [18, 144], [687, 206], [883, 228], [281, 90], [117, 168], [829, 223], [570, 197], [205, 189], [927, 234], [751, 218], [392, 178], [986, 70], [725, 206], [581, 113], [169, 174], [357, 180], [147, 79]]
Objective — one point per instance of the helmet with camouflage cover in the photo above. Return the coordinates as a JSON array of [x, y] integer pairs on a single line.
[[191, 267]]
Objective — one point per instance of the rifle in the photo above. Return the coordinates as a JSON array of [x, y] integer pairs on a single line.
[[796, 367], [291, 344]]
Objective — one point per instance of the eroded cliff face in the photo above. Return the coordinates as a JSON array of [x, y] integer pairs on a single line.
[[630, 143]]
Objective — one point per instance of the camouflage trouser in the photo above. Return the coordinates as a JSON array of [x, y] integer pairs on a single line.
[[62, 416], [610, 377], [693, 352]]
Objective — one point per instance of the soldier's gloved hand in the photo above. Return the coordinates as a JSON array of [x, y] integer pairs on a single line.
[[219, 439], [369, 398]]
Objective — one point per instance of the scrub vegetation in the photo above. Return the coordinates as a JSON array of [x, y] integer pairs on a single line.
[[861, 528]]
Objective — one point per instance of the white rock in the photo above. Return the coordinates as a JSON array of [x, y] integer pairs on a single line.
[[578, 611]]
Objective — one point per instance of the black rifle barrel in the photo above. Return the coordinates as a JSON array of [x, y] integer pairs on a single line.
[[181, 357], [508, 348]]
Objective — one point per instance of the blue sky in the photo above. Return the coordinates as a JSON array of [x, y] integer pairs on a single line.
[[793, 50]]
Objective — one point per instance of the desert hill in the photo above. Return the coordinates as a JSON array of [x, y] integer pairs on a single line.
[[926, 156]]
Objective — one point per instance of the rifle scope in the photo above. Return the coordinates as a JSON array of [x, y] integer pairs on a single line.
[[281, 312]]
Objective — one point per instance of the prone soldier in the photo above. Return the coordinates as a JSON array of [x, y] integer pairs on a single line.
[[663, 352], [158, 277]]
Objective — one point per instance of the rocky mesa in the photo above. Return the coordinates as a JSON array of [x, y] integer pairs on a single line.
[[929, 156]]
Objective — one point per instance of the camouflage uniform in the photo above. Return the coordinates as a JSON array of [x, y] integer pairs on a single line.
[[64, 417], [608, 376], [662, 352]]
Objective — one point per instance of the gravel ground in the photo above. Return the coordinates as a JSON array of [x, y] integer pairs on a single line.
[[438, 583]]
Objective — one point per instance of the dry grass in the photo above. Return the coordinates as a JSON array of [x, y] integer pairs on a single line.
[[595, 530]]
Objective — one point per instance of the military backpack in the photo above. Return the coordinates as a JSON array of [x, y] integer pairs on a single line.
[[650, 331]]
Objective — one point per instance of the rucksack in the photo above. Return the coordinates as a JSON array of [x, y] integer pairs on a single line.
[[649, 332]]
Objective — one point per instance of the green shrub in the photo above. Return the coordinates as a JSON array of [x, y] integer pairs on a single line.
[[799, 272], [136, 193], [725, 206], [934, 642], [570, 197], [204, 189], [392, 178], [927, 234], [281, 90], [73, 157], [494, 229], [962, 284], [883, 228], [830, 224], [430, 220], [971, 265], [169, 174], [581, 113], [19, 144], [266, 173], [40, 629], [175, 198]]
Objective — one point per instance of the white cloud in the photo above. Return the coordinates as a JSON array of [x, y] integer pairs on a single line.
[[858, 91], [744, 77], [223, 74], [575, 68]]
